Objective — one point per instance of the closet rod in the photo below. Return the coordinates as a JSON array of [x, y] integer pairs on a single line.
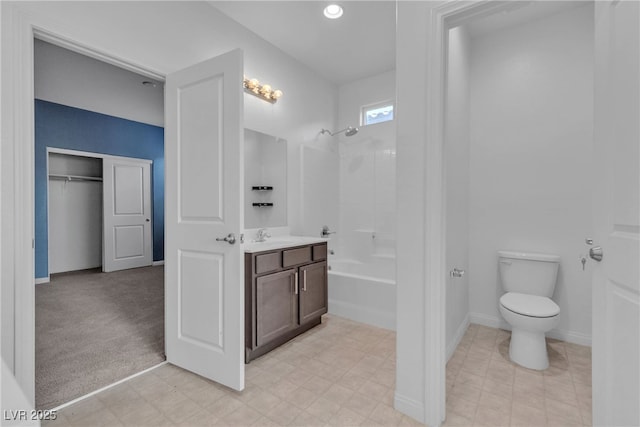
[[75, 177]]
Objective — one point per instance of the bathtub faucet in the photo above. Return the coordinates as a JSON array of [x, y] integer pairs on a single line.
[[325, 231]]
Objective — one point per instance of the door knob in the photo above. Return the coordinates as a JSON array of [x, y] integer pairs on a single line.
[[595, 253], [456, 272], [231, 239]]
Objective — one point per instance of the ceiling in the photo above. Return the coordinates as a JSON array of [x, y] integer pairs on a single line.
[[358, 45], [362, 42], [519, 13]]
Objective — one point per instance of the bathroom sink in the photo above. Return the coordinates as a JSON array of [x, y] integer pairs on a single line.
[[274, 241], [279, 242], [279, 239]]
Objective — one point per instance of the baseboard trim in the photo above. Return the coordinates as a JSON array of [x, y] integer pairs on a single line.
[[409, 407], [157, 263], [489, 321], [451, 348], [41, 280], [93, 393], [379, 318], [559, 334], [570, 336]]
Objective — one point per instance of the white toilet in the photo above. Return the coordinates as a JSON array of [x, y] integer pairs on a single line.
[[529, 280]]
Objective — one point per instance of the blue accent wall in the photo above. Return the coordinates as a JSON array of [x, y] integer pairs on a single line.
[[60, 126]]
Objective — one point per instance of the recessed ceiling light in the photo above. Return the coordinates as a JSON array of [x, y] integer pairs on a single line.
[[333, 11]]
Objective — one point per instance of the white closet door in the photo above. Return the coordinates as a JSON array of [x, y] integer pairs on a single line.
[[127, 214]]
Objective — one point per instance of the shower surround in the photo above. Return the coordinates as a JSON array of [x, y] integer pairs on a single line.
[[362, 276]]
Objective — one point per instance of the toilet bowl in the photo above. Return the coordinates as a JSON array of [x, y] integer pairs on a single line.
[[529, 280], [530, 317]]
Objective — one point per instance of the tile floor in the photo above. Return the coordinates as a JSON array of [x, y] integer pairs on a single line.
[[342, 373], [485, 388]]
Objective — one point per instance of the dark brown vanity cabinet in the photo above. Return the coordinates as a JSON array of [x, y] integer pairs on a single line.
[[285, 295], [313, 291], [276, 306]]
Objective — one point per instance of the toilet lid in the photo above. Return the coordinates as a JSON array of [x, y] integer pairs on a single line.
[[529, 305]]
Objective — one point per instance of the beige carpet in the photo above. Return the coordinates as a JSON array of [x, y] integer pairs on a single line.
[[95, 328]]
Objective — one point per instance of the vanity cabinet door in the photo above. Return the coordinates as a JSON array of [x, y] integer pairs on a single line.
[[313, 291], [276, 305]]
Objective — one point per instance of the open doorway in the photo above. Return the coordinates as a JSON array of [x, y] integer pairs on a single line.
[[99, 212], [514, 154]]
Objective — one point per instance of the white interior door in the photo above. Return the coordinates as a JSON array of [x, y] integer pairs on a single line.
[[616, 282], [127, 214], [204, 284]]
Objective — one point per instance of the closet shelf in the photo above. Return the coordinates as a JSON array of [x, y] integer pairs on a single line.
[[75, 177]]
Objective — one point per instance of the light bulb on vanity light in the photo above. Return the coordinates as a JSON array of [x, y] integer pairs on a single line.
[[265, 90]]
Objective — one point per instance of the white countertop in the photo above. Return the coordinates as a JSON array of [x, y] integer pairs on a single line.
[[280, 242]]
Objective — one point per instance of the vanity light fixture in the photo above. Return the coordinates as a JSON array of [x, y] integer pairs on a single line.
[[264, 92], [333, 11]]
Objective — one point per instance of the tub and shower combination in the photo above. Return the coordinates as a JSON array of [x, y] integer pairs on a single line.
[[364, 291], [362, 283]]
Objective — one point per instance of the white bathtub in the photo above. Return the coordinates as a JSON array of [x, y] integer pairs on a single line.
[[364, 292]]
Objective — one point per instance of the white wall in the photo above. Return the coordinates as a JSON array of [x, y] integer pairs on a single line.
[[367, 173], [531, 152], [319, 189], [68, 78], [412, 316], [7, 306], [161, 37], [457, 185]]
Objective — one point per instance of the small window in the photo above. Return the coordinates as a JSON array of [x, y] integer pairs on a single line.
[[377, 113]]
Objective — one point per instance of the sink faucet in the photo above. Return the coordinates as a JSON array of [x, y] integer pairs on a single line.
[[262, 235], [325, 231]]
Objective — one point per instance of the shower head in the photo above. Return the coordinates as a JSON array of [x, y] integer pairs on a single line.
[[349, 131]]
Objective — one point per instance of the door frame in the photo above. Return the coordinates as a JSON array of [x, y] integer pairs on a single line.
[[91, 155], [439, 20], [22, 29]]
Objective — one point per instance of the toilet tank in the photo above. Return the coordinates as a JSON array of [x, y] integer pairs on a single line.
[[528, 273]]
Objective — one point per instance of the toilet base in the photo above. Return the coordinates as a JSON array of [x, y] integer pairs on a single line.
[[529, 349]]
